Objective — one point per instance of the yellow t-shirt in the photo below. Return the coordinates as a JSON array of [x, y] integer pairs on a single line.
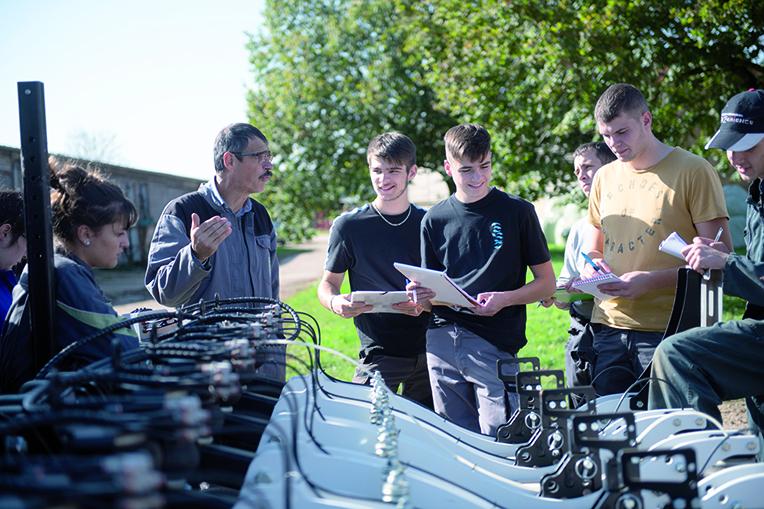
[[636, 210]]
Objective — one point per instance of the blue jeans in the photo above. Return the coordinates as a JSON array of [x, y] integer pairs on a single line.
[[622, 355], [466, 388]]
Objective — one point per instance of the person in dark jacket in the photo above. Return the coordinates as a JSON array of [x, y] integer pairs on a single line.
[[90, 218], [707, 365], [13, 245]]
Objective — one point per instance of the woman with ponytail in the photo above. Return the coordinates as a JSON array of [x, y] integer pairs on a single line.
[[90, 218]]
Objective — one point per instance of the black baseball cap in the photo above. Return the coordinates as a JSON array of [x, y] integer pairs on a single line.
[[742, 122]]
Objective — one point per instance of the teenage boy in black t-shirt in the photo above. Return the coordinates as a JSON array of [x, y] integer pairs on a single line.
[[485, 240], [365, 243]]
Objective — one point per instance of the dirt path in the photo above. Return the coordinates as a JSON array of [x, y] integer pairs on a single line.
[[296, 273]]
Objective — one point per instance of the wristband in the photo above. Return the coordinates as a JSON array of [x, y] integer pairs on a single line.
[[331, 304]]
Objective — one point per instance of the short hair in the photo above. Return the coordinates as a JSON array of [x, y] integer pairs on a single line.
[[85, 197], [234, 138], [470, 141], [617, 99], [393, 147], [12, 212], [603, 152]]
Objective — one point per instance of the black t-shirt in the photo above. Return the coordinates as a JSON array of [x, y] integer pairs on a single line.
[[485, 246], [362, 244]]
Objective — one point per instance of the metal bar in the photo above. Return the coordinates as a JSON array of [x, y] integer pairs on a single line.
[[34, 165]]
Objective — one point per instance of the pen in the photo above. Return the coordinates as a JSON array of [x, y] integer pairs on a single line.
[[413, 297], [719, 234], [591, 262]]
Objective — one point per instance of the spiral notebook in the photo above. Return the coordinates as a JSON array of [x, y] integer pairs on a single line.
[[590, 285]]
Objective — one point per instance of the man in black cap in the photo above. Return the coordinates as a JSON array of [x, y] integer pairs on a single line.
[[707, 365]]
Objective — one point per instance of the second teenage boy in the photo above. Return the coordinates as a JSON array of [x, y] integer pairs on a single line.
[[485, 240], [365, 243]]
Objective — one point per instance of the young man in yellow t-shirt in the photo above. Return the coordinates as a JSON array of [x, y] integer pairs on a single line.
[[648, 192]]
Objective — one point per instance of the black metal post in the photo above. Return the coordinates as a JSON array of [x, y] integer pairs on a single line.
[[34, 164]]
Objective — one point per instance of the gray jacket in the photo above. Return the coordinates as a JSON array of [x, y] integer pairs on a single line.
[[245, 264]]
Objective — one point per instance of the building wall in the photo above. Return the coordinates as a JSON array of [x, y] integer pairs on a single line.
[[149, 191]]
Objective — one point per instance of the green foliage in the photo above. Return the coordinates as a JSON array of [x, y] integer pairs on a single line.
[[532, 72], [331, 74]]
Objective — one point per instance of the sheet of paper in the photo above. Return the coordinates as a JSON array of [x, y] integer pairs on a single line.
[[382, 301]]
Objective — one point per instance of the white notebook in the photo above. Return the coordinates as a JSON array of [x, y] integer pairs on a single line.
[[590, 285], [673, 245], [382, 301], [447, 292]]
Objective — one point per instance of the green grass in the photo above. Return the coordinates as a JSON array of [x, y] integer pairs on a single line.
[[546, 328]]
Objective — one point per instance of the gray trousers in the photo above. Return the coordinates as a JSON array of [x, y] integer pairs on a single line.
[[408, 372], [466, 388]]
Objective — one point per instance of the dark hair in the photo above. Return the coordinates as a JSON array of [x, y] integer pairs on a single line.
[[603, 152], [617, 99], [468, 140], [393, 147], [234, 138], [12, 212], [84, 197]]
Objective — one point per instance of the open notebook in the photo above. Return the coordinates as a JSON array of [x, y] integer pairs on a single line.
[[590, 285]]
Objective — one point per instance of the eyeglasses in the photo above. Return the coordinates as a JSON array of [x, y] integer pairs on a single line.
[[262, 156]]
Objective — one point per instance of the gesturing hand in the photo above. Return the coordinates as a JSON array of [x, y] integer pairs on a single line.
[[207, 237]]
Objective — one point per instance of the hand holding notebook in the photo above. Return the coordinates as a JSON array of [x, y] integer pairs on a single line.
[[590, 285], [382, 301]]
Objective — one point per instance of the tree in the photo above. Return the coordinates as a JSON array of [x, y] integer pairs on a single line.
[[532, 71], [94, 146], [331, 75]]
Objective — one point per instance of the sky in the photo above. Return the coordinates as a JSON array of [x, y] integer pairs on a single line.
[[154, 80]]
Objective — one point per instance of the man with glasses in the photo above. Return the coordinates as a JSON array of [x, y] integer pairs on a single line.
[[218, 241]]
